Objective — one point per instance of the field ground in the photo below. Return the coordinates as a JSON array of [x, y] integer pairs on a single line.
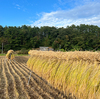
[[14, 77], [15, 54]]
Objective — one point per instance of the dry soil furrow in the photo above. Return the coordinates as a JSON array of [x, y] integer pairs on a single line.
[[12, 91], [19, 83], [33, 94], [22, 59], [4, 82], [43, 84], [34, 85]]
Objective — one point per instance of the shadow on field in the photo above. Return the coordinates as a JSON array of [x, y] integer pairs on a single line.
[[58, 91]]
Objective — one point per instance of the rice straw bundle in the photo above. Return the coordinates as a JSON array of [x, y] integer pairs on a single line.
[[10, 54], [75, 72], [76, 55]]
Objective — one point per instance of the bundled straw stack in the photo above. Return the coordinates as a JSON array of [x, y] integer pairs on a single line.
[[29, 52], [71, 72], [76, 55], [10, 54]]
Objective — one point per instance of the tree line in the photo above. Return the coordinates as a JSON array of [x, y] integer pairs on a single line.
[[80, 37]]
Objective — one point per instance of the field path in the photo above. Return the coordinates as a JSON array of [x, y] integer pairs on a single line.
[[14, 77]]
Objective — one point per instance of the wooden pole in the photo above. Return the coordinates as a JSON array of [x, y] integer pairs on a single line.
[[2, 48], [29, 78]]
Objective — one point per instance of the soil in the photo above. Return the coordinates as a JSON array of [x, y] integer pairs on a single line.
[[14, 76]]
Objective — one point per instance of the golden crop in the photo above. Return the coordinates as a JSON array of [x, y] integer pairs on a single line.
[[10, 54], [71, 72]]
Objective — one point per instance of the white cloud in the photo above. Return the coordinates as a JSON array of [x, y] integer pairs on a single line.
[[86, 14], [17, 6]]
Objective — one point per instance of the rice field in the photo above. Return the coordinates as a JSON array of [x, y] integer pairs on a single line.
[[14, 77], [76, 72]]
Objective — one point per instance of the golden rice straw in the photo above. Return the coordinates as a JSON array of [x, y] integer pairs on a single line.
[[10, 54], [76, 55], [71, 72]]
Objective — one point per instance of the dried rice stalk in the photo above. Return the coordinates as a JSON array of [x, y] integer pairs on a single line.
[[10, 54]]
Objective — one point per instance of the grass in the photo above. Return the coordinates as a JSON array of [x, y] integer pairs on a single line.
[[2, 54], [15, 54], [70, 72]]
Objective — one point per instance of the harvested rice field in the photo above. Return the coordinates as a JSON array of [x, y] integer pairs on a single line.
[[14, 77]]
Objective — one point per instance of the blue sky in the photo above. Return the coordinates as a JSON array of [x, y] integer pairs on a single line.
[[58, 13]]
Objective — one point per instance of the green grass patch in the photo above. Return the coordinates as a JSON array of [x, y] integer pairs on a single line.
[[15, 55], [2, 54]]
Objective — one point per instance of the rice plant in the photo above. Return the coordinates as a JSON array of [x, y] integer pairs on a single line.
[[71, 72]]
